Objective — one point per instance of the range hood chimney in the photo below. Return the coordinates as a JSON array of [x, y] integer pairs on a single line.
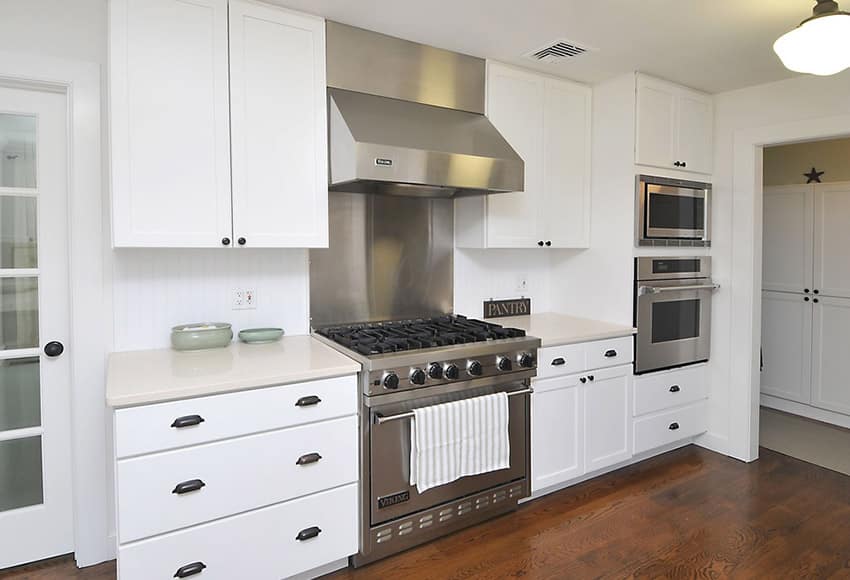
[[408, 119]]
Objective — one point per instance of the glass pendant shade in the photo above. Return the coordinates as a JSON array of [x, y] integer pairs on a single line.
[[819, 46]]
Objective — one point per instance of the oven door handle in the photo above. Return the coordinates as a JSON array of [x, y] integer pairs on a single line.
[[380, 419], [644, 290]]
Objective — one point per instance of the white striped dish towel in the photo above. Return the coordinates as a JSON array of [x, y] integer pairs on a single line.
[[452, 440]]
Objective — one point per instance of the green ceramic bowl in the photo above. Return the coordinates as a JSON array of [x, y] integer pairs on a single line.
[[201, 335], [260, 335]]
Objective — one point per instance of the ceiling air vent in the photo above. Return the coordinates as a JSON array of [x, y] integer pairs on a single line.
[[557, 51]]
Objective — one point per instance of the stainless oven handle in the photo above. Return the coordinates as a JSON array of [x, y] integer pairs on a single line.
[[379, 419], [643, 290]]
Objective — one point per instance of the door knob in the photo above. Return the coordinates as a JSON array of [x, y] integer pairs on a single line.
[[54, 348]]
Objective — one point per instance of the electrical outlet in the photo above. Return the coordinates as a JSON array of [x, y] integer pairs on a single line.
[[244, 299], [522, 283]]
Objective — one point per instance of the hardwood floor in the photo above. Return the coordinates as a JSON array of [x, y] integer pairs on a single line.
[[687, 514]]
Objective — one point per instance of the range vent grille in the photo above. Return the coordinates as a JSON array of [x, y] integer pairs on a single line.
[[557, 51]]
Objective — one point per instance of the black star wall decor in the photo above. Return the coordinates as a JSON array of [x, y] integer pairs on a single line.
[[813, 175]]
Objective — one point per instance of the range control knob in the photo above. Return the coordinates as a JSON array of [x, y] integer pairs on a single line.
[[417, 376], [503, 363], [451, 371], [435, 371], [474, 368], [390, 381], [526, 360]]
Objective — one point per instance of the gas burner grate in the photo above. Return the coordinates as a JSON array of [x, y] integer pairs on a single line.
[[403, 335]]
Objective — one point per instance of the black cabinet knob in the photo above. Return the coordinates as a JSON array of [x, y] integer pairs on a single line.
[[54, 348], [308, 533], [684, 163], [188, 486], [548, 242], [815, 300], [435, 371], [675, 389], [190, 570], [474, 368], [540, 243], [241, 241], [673, 426], [308, 401], [817, 291], [806, 290], [417, 377], [225, 241], [806, 299], [583, 380], [308, 458], [451, 371], [677, 163], [187, 421], [590, 377]]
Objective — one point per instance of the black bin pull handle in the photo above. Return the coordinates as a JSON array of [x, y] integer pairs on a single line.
[[188, 486], [308, 401], [558, 362], [308, 533], [675, 389], [308, 458], [190, 570], [187, 421], [610, 353], [673, 426]]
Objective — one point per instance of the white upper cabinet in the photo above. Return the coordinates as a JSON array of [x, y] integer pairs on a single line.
[[788, 238], [547, 121], [188, 113], [169, 120], [832, 238], [675, 126], [278, 127]]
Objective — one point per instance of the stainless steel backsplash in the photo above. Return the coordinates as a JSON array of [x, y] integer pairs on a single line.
[[389, 258]]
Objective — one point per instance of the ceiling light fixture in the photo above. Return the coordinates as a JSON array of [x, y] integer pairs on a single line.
[[820, 45]]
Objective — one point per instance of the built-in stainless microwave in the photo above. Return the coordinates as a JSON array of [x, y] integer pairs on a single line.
[[672, 212]]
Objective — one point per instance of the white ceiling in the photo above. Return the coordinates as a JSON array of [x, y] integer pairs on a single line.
[[713, 45]]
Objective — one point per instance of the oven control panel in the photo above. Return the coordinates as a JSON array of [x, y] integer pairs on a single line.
[[429, 373]]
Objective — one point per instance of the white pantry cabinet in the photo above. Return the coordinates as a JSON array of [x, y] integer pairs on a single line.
[[786, 343], [830, 370], [548, 122], [788, 238], [218, 125], [675, 126]]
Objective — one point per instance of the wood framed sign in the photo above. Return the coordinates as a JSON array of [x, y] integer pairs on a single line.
[[512, 307]]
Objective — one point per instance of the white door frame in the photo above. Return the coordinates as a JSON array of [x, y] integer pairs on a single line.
[[747, 231], [90, 304]]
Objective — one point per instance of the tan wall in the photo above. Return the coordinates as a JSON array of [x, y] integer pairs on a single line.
[[786, 164]]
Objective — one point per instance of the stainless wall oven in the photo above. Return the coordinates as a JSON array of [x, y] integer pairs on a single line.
[[672, 311], [672, 212]]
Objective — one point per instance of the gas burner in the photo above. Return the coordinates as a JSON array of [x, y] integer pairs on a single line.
[[404, 335]]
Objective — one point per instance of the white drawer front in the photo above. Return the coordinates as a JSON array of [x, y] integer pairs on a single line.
[[149, 428], [238, 475], [670, 426], [609, 353], [260, 545], [659, 391], [560, 360]]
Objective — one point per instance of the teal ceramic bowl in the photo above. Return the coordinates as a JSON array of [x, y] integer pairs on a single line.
[[260, 335], [201, 336]]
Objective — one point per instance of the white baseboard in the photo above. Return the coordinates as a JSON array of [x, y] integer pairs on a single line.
[[713, 442], [322, 570], [804, 410]]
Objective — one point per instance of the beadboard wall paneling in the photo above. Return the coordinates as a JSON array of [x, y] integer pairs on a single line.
[[156, 289]]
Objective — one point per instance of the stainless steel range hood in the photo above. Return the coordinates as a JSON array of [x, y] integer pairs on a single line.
[[407, 119]]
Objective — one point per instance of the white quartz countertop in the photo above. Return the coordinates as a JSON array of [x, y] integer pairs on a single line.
[[554, 329], [153, 376]]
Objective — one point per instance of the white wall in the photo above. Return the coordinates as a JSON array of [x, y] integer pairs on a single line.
[[801, 99]]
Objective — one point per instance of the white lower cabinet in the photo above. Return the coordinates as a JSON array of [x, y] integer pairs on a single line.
[[260, 545], [607, 417], [670, 426], [557, 433], [276, 497]]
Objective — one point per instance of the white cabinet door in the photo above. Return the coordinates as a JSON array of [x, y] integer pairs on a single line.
[[832, 239], [565, 210], [515, 101], [786, 335], [556, 432], [656, 123], [607, 417], [788, 238], [830, 384], [169, 122], [278, 127], [695, 129]]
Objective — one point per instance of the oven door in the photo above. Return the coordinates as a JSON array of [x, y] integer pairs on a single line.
[[675, 212], [673, 322], [389, 448]]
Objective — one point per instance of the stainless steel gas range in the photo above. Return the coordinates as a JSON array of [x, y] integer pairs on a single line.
[[411, 364]]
